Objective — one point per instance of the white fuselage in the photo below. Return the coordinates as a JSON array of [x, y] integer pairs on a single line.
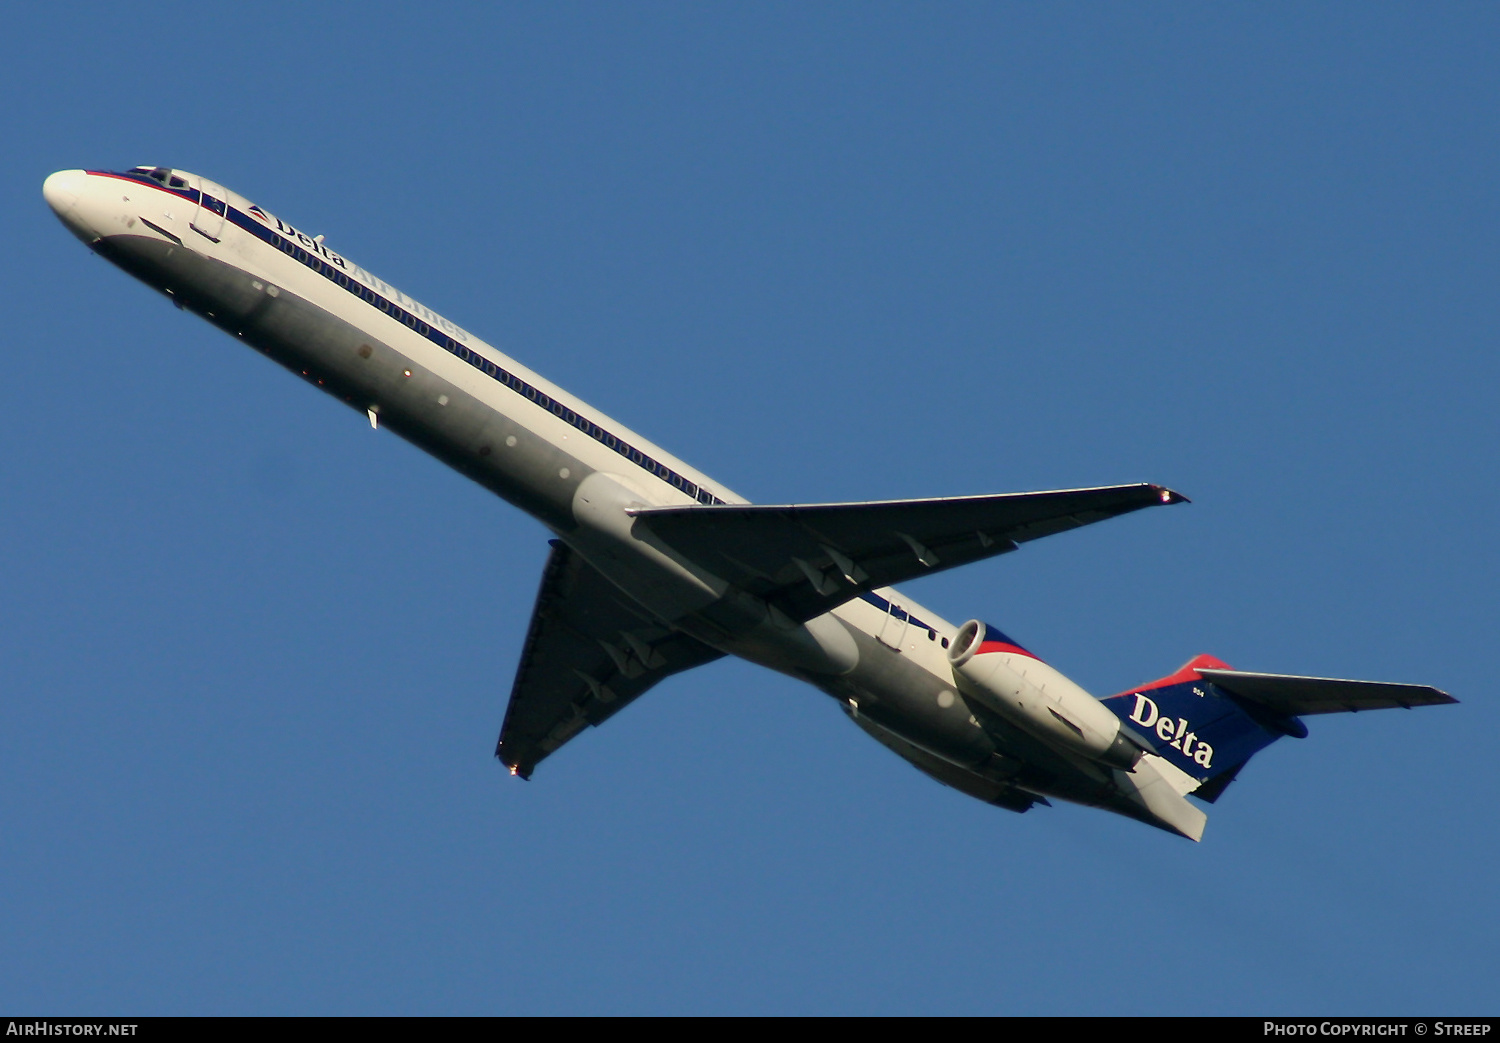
[[578, 471], [549, 455]]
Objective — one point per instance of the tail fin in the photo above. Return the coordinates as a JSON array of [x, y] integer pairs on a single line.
[[1209, 719], [1197, 726]]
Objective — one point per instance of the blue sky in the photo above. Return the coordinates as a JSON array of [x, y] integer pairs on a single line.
[[254, 657]]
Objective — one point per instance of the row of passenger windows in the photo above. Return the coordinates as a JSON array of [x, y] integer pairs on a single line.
[[473, 358]]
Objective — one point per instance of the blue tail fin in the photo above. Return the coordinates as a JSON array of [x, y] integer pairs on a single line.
[[1199, 726]]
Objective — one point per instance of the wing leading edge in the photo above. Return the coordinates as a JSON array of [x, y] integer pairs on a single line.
[[589, 652], [807, 559]]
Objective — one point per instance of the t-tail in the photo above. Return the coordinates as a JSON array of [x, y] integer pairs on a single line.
[[1208, 719]]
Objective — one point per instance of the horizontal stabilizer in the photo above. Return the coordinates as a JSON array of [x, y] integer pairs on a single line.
[[809, 558], [1291, 696], [1207, 720]]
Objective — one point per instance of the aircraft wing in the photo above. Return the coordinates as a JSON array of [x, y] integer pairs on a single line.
[[588, 653], [1292, 696], [806, 559]]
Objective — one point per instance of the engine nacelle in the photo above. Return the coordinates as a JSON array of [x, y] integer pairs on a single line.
[[1005, 678]]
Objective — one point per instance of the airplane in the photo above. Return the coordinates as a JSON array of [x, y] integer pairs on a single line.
[[656, 568]]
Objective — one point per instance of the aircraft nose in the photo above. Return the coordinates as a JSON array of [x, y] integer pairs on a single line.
[[62, 189], [65, 192]]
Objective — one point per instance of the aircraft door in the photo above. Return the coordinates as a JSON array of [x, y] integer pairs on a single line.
[[213, 205], [893, 628]]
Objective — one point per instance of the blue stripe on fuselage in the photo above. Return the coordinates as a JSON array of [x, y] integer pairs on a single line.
[[378, 301]]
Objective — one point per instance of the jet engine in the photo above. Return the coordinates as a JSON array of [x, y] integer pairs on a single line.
[[1002, 676]]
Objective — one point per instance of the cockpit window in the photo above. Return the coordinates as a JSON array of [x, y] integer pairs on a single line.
[[161, 174]]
